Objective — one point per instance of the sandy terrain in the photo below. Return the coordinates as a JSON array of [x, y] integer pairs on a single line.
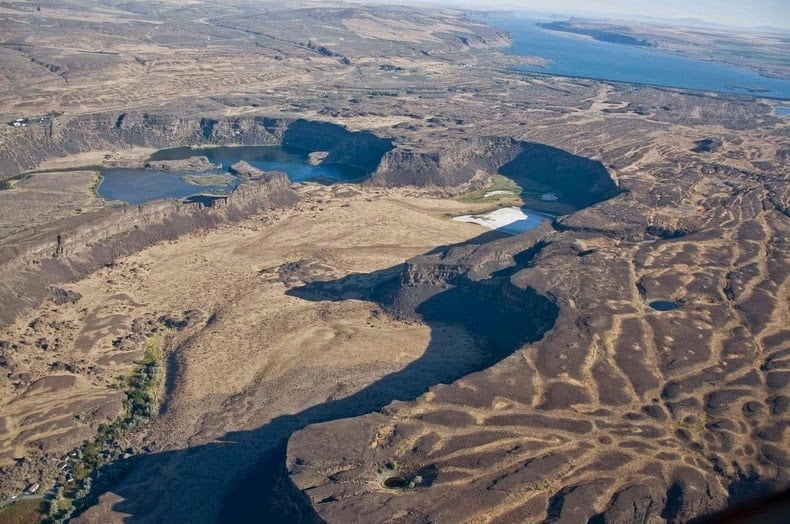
[[45, 197], [266, 337], [288, 334]]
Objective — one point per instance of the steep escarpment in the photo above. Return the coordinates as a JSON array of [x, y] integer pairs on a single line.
[[72, 248], [448, 165], [470, 286], [455, 165], [465, 288], [621, 412], [467, 163], [581, 181], [26, 147], [361, 149], [68, 249]]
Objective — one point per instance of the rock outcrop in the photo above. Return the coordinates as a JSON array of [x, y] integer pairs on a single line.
[[24, 148], [469, 163], [687, 406], [245, 170], [195, 163], [449, 165], [454, 165], [619, 413]]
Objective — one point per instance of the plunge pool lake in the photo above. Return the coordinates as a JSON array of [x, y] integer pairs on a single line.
[[140, 185]]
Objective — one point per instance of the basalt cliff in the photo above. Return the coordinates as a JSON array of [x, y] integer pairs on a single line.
[[348, 352]]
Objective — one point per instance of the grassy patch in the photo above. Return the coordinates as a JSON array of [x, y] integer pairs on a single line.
[[498, 183], [22, 512], [526, 194], [94, 189], [208, 180]]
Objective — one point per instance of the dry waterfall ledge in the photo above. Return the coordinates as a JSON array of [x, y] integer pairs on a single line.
[[620, 413], [599, 251], [72, 248]]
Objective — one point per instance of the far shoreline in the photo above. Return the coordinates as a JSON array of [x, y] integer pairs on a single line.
[[682, 90]]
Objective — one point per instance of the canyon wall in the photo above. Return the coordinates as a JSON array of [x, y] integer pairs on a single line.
[[24, 148], [70, 249], [455, 166], [468, 164]]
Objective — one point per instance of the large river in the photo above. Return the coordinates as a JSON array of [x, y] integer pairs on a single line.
[[573, 55]]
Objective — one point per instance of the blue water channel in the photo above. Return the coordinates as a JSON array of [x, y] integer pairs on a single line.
[[572, 55]]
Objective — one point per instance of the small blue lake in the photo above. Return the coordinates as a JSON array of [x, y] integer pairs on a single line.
[[571, 55], [664, 305], [138, 186]]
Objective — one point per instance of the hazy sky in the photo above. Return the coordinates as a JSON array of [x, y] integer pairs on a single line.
[[774, 13]]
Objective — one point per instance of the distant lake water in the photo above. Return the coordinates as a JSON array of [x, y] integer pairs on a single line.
[[138, 186], [572, 55]]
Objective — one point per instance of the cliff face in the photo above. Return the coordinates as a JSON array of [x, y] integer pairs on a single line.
[[623, 411], [455, 164], [581, 181], [559, 420], [25, 147], [361, 149], [73, 248]]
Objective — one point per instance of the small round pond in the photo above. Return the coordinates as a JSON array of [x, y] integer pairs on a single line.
[[663, 305]]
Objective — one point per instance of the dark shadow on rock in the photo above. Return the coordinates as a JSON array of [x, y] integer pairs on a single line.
[[577, 180], [757, 503], [206, 200], [498, 315], [582, 181], [483, 238], [354, 148]]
